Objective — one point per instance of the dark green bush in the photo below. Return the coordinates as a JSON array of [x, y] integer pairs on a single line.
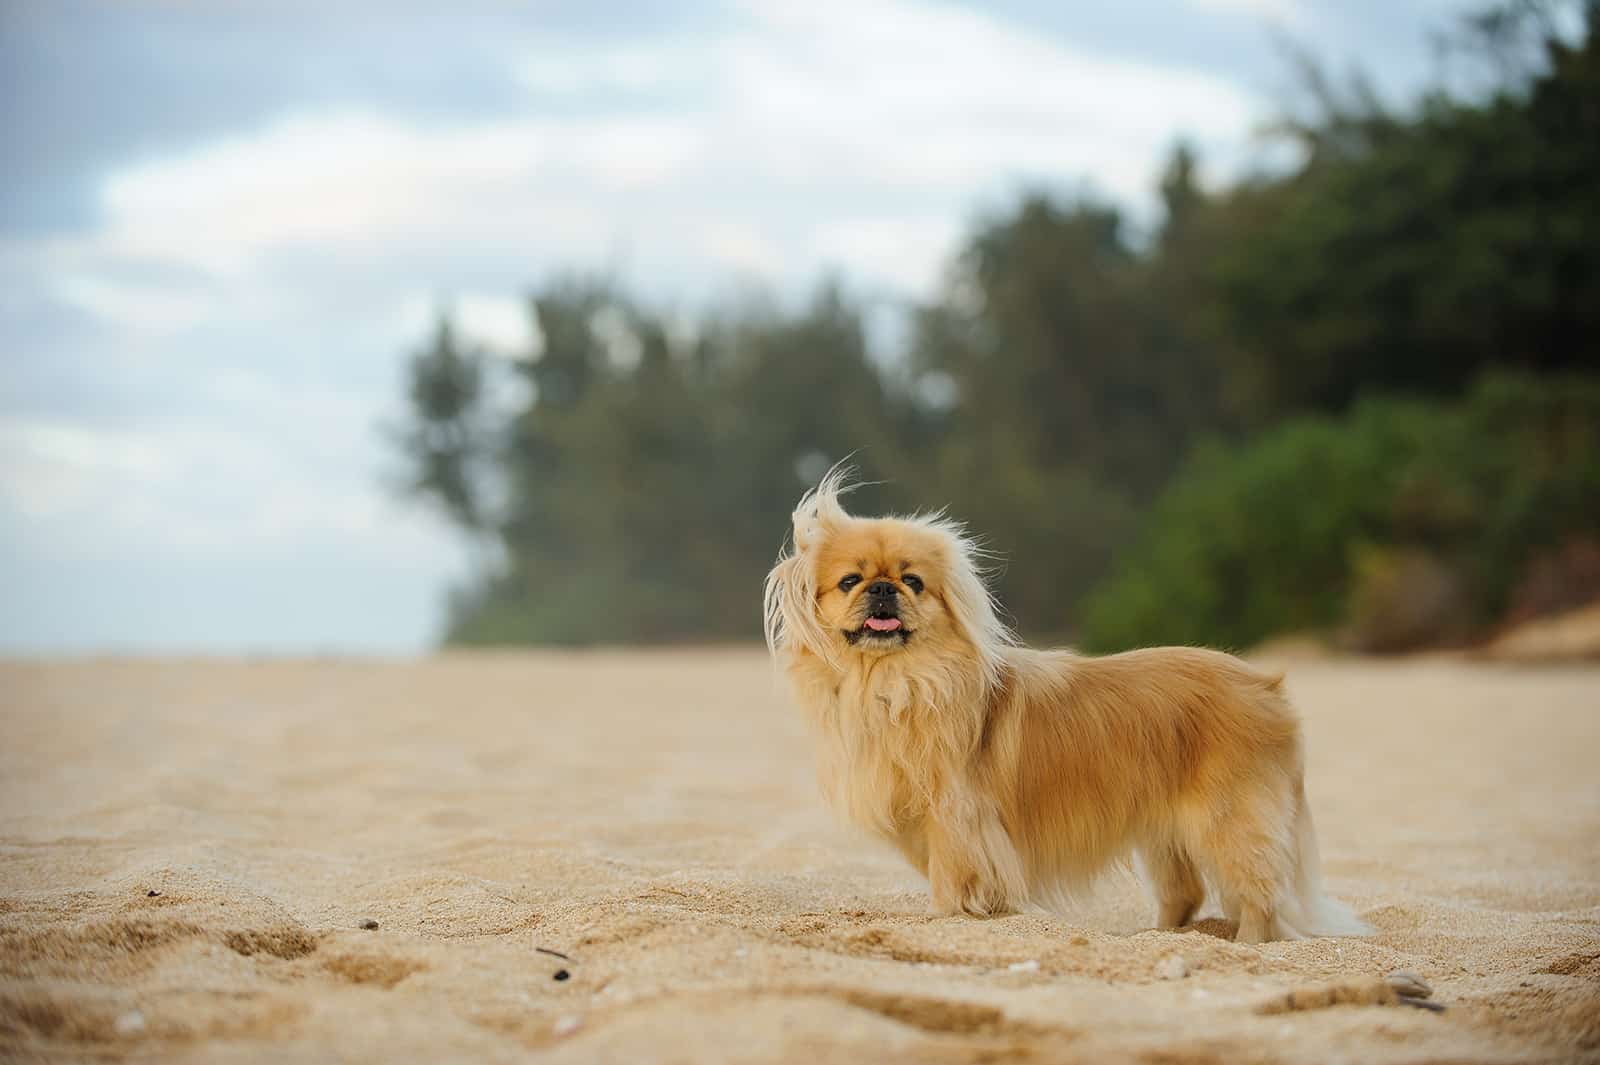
[[1265, 538]]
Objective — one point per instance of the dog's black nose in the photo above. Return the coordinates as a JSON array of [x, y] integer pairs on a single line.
[[882, 589]]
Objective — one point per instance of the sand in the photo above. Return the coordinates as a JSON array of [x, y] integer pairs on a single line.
[[1571, 636], [195, 853]]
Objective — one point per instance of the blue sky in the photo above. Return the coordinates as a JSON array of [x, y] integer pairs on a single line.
[[223, 226]]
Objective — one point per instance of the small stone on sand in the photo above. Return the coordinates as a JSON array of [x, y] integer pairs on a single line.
[[1029, 966], [369, 924], [130, 1023], [568, 1024], [1172, 967], [1409, 983]]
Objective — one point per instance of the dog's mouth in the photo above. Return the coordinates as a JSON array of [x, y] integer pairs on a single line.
[[879, 627]]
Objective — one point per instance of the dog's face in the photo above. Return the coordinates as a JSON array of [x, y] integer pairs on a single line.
[[880, 584], [872, 588]]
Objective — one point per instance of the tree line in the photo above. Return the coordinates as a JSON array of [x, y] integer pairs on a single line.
[[1122, 420]]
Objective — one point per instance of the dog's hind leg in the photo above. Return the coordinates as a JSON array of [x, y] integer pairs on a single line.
[[1249, 851], [1178, 887]]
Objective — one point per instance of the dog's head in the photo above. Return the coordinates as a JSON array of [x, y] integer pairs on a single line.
[[871, 587]]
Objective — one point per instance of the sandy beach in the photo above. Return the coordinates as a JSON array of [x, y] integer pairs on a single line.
[[622, 857]]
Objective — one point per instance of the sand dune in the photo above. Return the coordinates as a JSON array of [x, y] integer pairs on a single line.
[[192, 851]]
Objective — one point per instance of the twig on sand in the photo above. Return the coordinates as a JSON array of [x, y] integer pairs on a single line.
[[1400, 988]]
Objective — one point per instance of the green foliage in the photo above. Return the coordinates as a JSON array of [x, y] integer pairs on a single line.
[[1268, 537], [447, 442], [1411, 255], [1062, 351], [650, 485]]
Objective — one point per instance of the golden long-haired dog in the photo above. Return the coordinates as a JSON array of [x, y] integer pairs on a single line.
[[1010, 776]]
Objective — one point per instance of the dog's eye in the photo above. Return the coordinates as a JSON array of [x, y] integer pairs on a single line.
[[849, 582], [912, 581]]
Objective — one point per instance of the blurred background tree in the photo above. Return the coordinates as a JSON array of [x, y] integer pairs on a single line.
[[1355, 396], [447, 442]]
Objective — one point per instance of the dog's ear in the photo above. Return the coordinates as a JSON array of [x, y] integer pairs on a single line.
[[819, 511], [790, 599], [968, 598], [789, 609]]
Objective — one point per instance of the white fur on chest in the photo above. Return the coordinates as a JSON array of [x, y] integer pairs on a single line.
[[884, 747]]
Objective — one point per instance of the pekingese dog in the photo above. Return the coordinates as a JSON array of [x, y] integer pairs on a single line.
[[1009, 776]]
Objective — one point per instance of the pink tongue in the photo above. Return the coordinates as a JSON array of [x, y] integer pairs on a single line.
[[883, 624]]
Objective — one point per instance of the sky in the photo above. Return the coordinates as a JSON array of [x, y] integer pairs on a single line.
[[223, 227]]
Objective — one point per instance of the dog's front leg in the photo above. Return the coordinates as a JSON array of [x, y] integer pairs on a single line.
[[972, 867], [950, 876], [912, 841]]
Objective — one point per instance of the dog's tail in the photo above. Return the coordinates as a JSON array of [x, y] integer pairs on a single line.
[[1306, 911]]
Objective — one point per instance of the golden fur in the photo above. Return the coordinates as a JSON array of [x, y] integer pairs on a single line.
[[1009, 776]]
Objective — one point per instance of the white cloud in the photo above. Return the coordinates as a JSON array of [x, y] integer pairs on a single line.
[[56, 467], [148, 309], [1279, 11], [362, 180], [907, 253], [741, 248], [188, 484], [951, 93], [501, 323], [797, 108], [628, 68]]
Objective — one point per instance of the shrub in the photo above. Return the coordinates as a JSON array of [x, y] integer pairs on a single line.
[[1266, 537]]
